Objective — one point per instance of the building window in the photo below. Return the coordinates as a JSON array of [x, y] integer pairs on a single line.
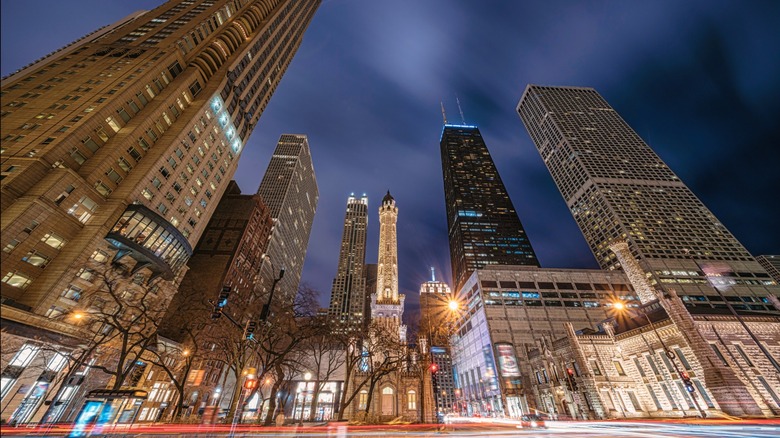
[[124, 164], [91, 144], [55, 311], [16, 279], [86, 274], [25, 355], [412, 398], [744, 355], [84, 209], [134, 154], [103, 189], [619, 368], [53, 240], [11, 245], [72, 293], [764, 383], [36, 259], [362, 399], [639, 367], [595, 367], [195, 88], [113, 175], [683, 360], [99, 256]]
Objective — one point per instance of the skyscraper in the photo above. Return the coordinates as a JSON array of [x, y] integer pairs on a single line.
[[119, 145], [289, 189], [348, 295], [616, 187], [434, 310], [484, 228]]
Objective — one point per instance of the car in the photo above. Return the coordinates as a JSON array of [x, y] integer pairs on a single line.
[[531, 421]]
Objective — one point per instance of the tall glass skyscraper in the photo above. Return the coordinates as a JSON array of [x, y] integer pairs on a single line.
[[348, 297], [617, 187], [484, 228]]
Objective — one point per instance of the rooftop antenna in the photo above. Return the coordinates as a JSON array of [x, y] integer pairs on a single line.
[[463, 119], [443, 114], [433, 274]]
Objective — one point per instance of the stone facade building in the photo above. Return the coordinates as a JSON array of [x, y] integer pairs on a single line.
[[118, 146]]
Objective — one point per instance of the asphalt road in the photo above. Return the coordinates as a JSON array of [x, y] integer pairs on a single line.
[[643, 429]]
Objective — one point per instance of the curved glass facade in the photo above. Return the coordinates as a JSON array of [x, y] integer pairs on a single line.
[[151, 239]]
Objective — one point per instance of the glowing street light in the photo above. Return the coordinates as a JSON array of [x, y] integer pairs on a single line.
[[453, 305]]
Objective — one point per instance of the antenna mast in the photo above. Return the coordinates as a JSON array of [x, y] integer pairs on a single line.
[[463, 119], [443, 114]]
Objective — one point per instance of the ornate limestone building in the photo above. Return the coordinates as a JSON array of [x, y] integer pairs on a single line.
[[395, 389], [637, 363]]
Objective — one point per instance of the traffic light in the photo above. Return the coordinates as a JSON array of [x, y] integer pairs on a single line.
[[221, 302], [570, 381], [250, 384], [249, 330], [137, 373], [433, 368], [687, 381]]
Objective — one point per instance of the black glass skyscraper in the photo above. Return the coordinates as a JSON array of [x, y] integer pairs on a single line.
[[484, 228]]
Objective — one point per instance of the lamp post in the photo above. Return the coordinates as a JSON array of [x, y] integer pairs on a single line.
[[306, 378], [737, 316], [669, 354], [267, 306]]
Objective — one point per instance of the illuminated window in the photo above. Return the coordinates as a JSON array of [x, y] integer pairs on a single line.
[[36, 259], [412, 398], [53, 240], [25, 355], [362, 399], [16, 279]]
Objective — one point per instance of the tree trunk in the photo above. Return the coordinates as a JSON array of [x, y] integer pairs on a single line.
[[235, 399], [343, 401], [269, 416], [370, 394], [314, 396]]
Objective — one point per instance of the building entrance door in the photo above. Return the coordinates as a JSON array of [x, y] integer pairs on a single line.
[[388, 404]]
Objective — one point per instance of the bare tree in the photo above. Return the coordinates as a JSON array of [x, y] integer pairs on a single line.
[[176, 360], [382, 353], [325, 357], [125, 314]]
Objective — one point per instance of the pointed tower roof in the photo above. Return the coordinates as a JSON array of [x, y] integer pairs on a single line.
[[388, 198]]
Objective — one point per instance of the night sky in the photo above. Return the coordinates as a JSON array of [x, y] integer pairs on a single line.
[[698, 80]]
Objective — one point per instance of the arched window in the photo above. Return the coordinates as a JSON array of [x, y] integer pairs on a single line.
[[411, 398]]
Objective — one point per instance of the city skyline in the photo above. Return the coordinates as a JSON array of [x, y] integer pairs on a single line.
[[697, 126]]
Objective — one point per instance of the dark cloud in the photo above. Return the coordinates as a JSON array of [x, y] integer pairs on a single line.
[[697, 80]]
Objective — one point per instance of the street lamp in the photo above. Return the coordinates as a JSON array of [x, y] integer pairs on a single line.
[[619, 306], [736, 315], [306, 378], [267, 306]]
